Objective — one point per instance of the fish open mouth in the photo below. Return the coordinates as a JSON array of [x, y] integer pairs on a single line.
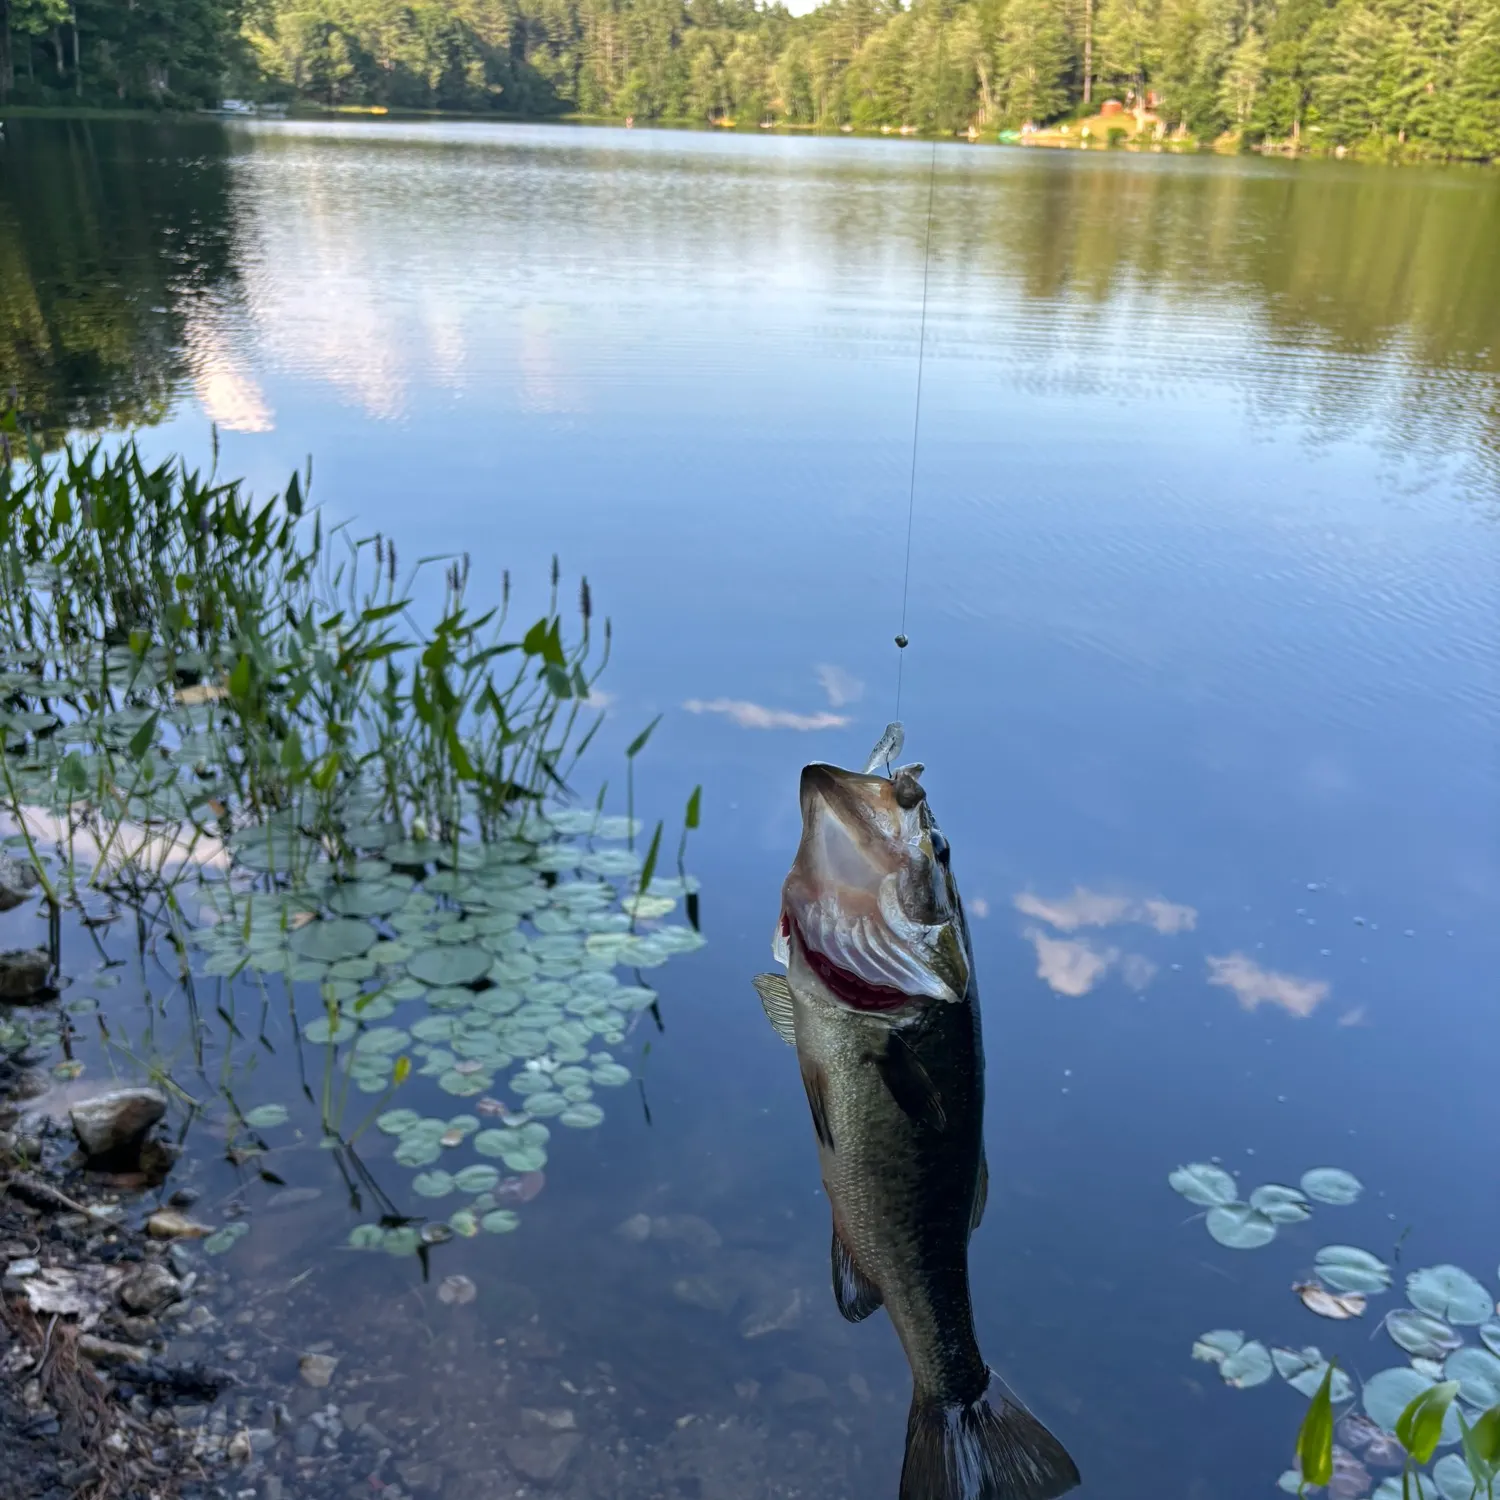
[[844, 985]]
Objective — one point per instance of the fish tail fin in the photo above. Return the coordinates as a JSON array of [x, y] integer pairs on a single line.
[[988, 1449]]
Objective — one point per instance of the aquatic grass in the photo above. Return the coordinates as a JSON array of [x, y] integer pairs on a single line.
[[232, 726]]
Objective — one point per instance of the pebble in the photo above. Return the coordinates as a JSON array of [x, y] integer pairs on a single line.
[[317, 1370], [149, 1289], [307, 1440], [166, 1224]]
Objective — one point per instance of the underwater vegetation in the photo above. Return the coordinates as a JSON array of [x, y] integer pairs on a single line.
[[239, 767]]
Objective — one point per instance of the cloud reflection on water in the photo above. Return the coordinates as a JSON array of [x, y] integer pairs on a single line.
[[1254, 986], [757, 716]]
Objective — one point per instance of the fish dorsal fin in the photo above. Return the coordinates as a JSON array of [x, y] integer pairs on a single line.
[[910, 1084], [856, 1295], [776, 995], [981, 1194]]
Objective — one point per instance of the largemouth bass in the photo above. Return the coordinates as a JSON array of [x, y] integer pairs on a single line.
[[880, 1002]]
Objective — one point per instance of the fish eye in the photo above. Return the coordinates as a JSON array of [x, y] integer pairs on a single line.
[[940, 848]]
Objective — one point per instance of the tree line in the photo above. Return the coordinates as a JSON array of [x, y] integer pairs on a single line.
[[1381, 76]]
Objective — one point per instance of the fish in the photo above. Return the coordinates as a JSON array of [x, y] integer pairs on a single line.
[[879, 1000]]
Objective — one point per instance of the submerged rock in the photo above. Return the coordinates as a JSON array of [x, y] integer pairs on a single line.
[[115, 1124], [166, 1225], [17, 881], [542, 1456], [24, 973], [317, 1370], [149, 1289]]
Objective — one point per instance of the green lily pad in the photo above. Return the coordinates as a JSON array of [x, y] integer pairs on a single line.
[[1450, 1292], [1281, 1205], [330, 940], [320, 1032], [1421, 1334], [1205, 1184], [465, 1222], [1249, 1365], [546, 1104], [418, 1150], [1451, 1476], [432, 1184], [1346, 1268], [1477, 1372], [1490, 1334], [581, 1116], [364, 898], [1332, 1185], [610, 1075], [463, 1085], [1237, 1226], [1388, 1394], [1215, 1347], [404, 1240], [1303, 1370], [449, 965], [477, 1179], [265, 1116], [366, 1237], [500, 1221]]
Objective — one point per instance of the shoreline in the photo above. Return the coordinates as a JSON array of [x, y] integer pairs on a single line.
[[1050, 137]]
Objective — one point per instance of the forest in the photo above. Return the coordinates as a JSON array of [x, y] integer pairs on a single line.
[[1378, 77]]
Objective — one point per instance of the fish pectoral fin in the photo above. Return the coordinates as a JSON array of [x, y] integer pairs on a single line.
[[857, 1296], [776, 996], [981, 1194], [815, 1081], [910, 1084]]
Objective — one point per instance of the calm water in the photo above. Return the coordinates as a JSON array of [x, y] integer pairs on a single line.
[[1203, 612]]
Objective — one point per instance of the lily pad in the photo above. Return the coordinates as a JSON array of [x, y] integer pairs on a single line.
[[1332, 1185], [500, 1221], [1450, 1292], [610, 1075], [1203, 1183], [583, 1116], [265, 1116], [449, 964], [1303, 1370], [321, 1031], [1477, 1372], [1422, 1334], [418, 1150], [1249, 1365], [1490, 1334], [366, 1237], [404, 1240], [465, 1222], [432, 1184], [1215, 1347], [1451, 1476], [1237, 1226], [1347, 1268], [477, 1179], [1388, 1394], [1281, 1205], [328, 941]]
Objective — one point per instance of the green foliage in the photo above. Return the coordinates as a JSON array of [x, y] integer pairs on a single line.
[[1315, 1439], [1420, 1425], [1375, 75]]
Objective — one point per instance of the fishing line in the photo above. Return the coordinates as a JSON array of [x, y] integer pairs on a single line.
[[916, 428]]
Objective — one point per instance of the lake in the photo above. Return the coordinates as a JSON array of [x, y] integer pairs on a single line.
[[1203, 665]]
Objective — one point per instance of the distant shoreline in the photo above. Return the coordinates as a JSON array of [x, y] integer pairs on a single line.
[[1056, 137]]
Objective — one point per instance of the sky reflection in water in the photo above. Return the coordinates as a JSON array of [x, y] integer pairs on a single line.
[[1203, 668]]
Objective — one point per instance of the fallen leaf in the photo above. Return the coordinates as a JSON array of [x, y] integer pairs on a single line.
[[1318, 1299], [451, 1138], [85, 1294], [202, 692], [456, 1290]]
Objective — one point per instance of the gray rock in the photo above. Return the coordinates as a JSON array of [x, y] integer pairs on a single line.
[[24, 973], [17, 881], [116, 1123], [317, 1369], [149, 1289], [308, 1438], [542, 1456]]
